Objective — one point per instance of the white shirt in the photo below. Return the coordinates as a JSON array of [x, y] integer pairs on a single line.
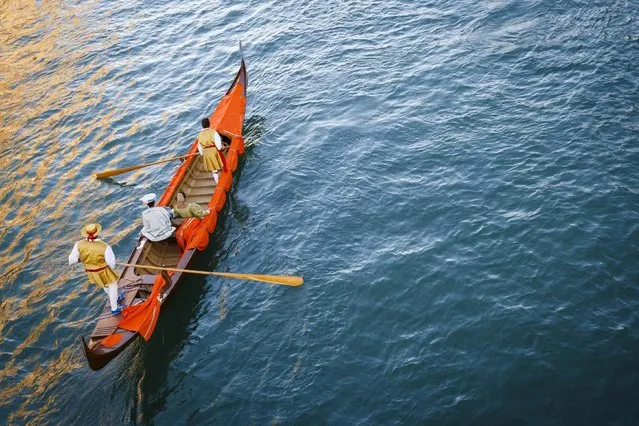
[[218, 143], [109, 257], [156, 224]]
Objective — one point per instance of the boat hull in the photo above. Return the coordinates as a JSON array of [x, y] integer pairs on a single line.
[[108, 339]]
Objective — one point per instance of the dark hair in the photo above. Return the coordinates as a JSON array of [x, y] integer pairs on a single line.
[[182, 192], [151, 203], [206, 123]]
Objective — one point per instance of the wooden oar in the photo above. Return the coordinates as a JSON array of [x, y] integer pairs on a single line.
[[273, 279], [109, 173]]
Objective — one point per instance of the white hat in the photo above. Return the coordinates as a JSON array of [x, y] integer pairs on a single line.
[[148, 198]]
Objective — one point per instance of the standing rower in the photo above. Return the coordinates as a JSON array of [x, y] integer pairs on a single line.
[[98, 261], [210, 147]]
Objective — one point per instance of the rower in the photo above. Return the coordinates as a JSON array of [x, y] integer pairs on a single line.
[[210, 147], [99, 262], [156, 221]]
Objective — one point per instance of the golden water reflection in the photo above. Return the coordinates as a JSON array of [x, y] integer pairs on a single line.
[[55, 128]]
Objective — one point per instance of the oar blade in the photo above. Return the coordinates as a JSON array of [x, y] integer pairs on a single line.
[[289, 280], [292, 281], [277, 279], [115, 172]]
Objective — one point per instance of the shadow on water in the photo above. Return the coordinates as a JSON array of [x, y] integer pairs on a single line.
[[149, 363], [172, 334], [112, 181]]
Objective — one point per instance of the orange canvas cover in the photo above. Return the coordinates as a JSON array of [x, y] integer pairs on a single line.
[[226, 180], [238, 145], [232, 159], [210, 220], [228, 117], [112, 340], [193, 233], [143, 317], [218, 200]]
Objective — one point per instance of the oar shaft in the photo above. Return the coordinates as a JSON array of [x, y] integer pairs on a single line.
[[114, 172], [273, 279]]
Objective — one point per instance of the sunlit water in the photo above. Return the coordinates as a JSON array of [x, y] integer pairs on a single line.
[[458, 182]]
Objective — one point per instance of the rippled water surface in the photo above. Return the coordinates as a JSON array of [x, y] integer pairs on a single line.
[[458, 182]]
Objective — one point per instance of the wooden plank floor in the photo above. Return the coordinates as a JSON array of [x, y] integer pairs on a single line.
[[199, 186]]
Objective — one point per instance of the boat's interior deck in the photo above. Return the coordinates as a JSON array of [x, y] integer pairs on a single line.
[[199, 186]]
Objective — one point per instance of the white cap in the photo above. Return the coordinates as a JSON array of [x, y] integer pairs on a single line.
[[148, 198]]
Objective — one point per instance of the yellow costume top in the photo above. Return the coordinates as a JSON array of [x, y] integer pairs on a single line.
[[98, 260], [190, 210], [209, 146]]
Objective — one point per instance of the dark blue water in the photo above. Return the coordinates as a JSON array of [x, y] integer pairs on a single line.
[[457, 182]]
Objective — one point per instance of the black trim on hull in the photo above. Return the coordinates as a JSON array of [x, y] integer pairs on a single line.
[[241, 76], [98, 360]]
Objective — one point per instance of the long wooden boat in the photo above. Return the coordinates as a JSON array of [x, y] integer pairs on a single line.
[[109, 338]]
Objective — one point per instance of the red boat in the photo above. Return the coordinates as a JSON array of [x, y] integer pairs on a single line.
[[146, 289]]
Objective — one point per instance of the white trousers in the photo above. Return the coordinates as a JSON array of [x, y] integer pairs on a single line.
[[216, 177], [112, 291]]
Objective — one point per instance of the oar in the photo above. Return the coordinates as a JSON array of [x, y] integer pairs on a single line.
[[109, 173], [273, 279]]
